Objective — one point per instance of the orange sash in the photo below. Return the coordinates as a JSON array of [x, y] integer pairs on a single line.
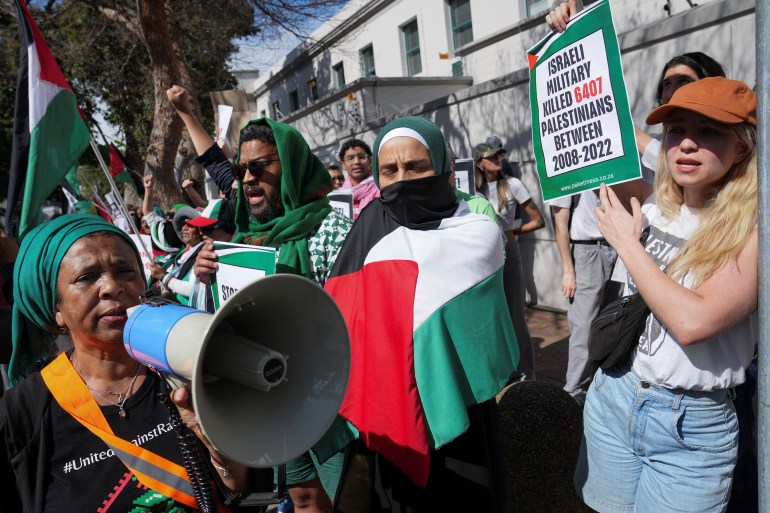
[[153, 471]]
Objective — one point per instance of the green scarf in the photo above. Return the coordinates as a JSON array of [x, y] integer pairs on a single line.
[[429, 131], [34, 286], [305, 182]]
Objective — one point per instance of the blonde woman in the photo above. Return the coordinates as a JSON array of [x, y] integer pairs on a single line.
[[661, 431]]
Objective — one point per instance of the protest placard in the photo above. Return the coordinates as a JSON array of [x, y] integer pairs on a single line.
[[238, 266], [141, 242], [582, 130], [342, 203], [223, 120], [465, 178]]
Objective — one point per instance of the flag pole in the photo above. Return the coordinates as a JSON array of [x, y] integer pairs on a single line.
[[116, 193], [97, 200]]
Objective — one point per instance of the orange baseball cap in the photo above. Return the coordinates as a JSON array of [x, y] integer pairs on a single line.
[[718, 98]]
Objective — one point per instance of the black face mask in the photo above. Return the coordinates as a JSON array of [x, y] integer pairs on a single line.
[[420, 204]]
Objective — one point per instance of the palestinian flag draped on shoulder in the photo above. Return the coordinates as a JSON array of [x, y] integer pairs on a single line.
[[49, 132], [429, 327]]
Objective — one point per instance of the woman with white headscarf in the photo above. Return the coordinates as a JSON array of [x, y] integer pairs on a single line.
[[419, 281]]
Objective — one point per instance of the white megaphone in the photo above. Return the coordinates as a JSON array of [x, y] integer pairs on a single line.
[[268, 371]]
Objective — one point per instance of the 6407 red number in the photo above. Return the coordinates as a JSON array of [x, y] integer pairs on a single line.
[[588, 90]]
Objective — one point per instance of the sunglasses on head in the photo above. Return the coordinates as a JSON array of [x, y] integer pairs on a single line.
[[255, 167]]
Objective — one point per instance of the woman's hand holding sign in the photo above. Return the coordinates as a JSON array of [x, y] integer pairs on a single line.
[[618, 227], [558, 18]]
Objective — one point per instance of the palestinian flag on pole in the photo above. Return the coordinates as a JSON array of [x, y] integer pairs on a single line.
[[49, 133], [117, 165], [118, 168], [71, 187], [101, 209], [430, 330]]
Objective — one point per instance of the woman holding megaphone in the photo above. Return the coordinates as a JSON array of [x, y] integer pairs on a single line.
[[88, 427]]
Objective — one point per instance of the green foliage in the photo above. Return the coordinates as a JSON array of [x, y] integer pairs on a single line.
[[98, 46], [108, 66], [9, 63]]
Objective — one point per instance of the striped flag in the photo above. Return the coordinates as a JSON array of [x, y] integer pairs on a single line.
[[119, 170], [49, 133], [429, 327], [71, 188], [117, 165]]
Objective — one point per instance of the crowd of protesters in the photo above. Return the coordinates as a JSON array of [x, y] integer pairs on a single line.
[[429, 280]]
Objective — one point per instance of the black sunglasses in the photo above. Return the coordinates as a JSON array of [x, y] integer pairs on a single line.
[[225, 225], [208, 230], [255, 167]]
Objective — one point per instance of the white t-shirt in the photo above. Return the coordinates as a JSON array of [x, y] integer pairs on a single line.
[[519, 195], [714, 364], [651, 155], [584, 224]]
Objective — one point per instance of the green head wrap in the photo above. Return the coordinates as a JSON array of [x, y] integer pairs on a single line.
[[34, 285], [425, 131], [305, 182]]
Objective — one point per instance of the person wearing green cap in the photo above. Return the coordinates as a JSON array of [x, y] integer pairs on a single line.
[[280, 202], [68, 423], [420, 283]]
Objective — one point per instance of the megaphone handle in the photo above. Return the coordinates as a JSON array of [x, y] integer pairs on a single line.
[[195, 462]]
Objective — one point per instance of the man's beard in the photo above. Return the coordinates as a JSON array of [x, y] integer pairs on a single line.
[[273, 208]]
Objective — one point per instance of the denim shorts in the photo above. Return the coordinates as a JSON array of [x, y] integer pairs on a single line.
[[650, 449]]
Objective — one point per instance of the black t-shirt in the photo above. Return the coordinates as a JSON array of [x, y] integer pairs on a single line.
[[87, 477]]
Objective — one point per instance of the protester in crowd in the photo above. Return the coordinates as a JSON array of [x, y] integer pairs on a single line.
[[281, 202], [678, 451], [189, 187], [215, 224], [419, 281], [508, 170], [67, 430], [175, 274], [681, 70], [338, 177], [165, 241], [587, 266], [505, 193], [494, 140], [588, 279], [356, 158]]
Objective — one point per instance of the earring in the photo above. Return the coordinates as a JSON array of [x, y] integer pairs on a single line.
[[63, 330]]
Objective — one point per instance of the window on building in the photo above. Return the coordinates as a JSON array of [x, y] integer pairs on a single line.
[[312, 85], [277, 114], [367, 61], [537, 6], [460, 17], [263, 113], [294, 100], [412, 48], [339, 75]]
